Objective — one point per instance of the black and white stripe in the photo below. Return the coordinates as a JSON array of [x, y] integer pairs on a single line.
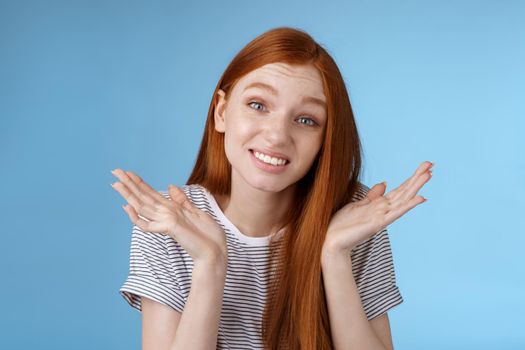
[[161, 269]]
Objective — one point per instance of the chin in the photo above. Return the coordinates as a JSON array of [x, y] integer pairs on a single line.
[[269, 186]]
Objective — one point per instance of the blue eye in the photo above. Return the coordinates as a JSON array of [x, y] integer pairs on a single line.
[[257, 103], [311, 121]]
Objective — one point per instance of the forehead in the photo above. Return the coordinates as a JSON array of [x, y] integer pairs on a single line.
[[284, 77]]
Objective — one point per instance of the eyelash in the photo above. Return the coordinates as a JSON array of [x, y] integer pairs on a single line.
[[313, 121]]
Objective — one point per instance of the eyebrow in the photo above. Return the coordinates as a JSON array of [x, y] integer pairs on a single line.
[[272, 91]]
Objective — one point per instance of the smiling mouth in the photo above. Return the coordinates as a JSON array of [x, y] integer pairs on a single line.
[[286, 161]]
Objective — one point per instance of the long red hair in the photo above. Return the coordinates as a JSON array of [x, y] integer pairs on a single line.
[[295, 315]]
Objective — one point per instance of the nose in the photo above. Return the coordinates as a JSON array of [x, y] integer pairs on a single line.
[[277, 130]]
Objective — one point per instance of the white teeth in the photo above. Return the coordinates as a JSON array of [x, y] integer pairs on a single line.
[[270, 160]]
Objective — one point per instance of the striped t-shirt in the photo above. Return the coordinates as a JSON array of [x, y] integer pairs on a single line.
[[160, 269]]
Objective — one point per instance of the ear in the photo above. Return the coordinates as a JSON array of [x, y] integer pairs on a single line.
[[220, 124]]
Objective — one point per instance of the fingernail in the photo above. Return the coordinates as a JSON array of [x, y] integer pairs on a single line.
[[124, 207], [384, 183]]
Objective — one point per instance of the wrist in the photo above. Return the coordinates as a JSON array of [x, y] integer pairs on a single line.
[[216, 267], [331, 254]]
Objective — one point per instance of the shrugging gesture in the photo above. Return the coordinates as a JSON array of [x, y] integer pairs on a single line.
[[357, 221], [195, 230]]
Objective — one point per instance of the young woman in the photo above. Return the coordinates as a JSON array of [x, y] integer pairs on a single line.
[[273, 242]]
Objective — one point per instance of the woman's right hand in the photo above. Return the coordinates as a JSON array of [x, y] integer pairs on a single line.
[[195, 230]]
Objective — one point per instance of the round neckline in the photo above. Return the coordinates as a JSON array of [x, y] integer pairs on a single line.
[[252, 241]]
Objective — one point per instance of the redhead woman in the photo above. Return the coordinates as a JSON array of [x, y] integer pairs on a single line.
[[273, 242]]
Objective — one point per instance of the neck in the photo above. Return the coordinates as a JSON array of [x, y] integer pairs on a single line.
[[254, 212]]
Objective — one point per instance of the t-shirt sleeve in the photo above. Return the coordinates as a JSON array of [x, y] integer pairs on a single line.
[[374, 274], [150, 272]]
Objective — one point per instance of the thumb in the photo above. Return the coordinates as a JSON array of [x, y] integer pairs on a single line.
[[179, 197], [176, 194], [376, 191]]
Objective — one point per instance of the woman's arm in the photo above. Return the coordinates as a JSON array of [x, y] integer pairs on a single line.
[[348, 322], [352, 224], [381, 326], [197, 327], [202, 238], [199, 324], [159, 324]]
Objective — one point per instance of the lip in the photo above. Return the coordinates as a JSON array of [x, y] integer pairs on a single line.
[[274, 169], [271, 154]]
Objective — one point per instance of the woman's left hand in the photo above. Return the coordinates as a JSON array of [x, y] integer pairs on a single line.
[[357, 221]]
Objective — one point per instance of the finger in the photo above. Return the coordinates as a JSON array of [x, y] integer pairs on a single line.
[[396, 213], [139, 206], [143, 223], [179, 197], [400, 190], [145, 187], [414, 188], [422, 169], [376, 191], [126, 180]]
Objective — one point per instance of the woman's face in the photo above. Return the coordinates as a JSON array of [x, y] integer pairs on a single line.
[[277, 110]]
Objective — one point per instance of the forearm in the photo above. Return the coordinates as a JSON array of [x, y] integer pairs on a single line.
[[348, 322], [199, 324]]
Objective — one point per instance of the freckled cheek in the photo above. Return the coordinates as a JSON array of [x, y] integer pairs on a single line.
[[240, 136], [311, 148], [247, 130]]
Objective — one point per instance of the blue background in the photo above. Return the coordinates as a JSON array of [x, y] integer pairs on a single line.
[[89, 86]]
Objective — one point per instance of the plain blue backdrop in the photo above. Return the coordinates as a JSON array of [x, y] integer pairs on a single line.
[[89, 86]]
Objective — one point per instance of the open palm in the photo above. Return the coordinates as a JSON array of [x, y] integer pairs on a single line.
[[357, 221], [195, 230]]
